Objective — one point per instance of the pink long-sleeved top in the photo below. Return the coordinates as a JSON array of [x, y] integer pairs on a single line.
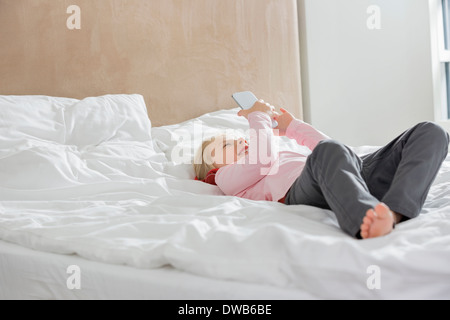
[[262, 174]]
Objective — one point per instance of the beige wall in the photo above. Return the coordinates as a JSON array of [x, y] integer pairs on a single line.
[[185, 56]]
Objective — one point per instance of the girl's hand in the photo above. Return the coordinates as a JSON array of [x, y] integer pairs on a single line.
[[259, 106], [284, 120]]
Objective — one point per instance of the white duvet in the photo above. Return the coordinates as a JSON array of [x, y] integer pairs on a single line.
[[92, 178]]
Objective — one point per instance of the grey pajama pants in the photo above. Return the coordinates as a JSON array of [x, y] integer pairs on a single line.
[[399, 175]]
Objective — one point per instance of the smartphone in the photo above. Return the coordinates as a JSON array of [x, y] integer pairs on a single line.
[[246, 100]]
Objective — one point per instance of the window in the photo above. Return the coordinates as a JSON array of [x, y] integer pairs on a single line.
[[445, 51], [439, 11]]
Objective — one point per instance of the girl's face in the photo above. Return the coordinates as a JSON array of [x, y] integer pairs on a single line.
[[228, 151]]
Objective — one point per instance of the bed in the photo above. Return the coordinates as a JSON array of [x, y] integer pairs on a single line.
[[90, 183], [97, 194]]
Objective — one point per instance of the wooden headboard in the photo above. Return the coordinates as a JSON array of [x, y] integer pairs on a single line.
[[186, 57]]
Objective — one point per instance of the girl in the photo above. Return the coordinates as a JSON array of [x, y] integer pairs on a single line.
[[368, 194]]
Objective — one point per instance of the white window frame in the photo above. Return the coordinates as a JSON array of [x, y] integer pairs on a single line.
[[440, 56]]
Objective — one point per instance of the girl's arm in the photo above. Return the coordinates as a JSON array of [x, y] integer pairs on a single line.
[[235, 178], [303, 133]]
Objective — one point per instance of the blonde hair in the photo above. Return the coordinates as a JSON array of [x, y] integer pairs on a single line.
[[203, 163]]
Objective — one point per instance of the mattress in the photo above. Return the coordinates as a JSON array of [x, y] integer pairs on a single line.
[[92, 180], [29, 274]]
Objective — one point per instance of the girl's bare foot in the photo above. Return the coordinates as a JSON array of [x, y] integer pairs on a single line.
[[377, 222]]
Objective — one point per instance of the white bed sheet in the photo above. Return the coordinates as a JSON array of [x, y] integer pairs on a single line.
[[27, 274], [93, 178]]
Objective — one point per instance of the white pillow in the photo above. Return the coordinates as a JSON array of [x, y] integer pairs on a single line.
[[66, 121], [49, 142], [37, 117], [92, 121], [180, 142]]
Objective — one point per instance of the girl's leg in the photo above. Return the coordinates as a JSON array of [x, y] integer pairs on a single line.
[[332, 180], [401, 174]]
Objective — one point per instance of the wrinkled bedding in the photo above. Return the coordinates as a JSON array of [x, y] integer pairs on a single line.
[[92, 177]]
